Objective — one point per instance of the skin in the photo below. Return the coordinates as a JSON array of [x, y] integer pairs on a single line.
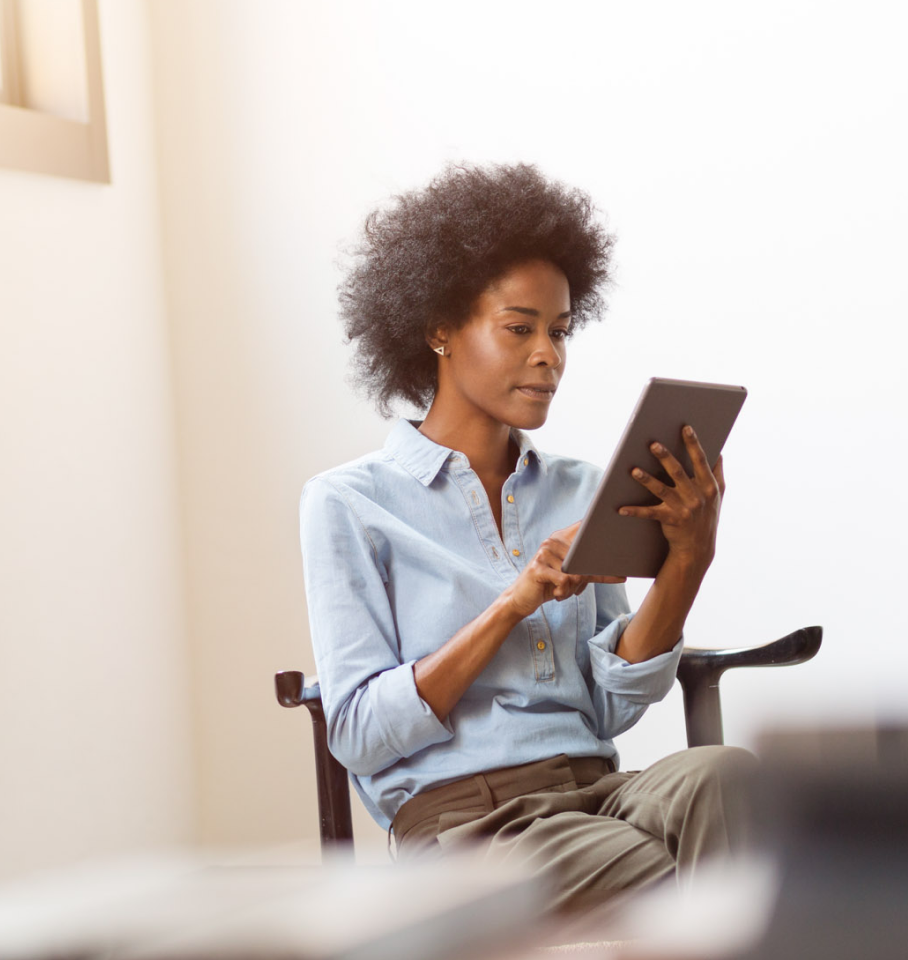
[[513, 342]]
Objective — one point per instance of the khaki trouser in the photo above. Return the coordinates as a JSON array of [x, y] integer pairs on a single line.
[[591, 832]]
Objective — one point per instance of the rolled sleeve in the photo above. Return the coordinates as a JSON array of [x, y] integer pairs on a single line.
[[373, 711], [406, 722], [642, 683]]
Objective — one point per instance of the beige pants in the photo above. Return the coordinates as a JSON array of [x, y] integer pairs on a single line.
[[592, 833]]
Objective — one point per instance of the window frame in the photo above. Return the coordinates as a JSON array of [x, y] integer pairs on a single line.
[[38, 142]]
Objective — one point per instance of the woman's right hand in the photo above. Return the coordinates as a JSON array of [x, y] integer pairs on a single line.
[[443, 676], [543, 579]]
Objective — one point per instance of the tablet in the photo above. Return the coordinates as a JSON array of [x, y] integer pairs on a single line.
[[608, 543]]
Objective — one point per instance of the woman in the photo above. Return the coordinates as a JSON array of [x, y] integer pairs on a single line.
[[472, 688]]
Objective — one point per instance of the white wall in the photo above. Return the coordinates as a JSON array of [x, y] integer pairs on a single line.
[[750, 158], [95, 747], [751, 162], [261, 402]]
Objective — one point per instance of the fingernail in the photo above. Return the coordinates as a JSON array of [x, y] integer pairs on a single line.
[[688, 431], [624, 513], [656, 447], [638, 473]]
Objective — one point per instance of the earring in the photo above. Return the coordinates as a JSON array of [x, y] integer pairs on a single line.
[[439, 350]]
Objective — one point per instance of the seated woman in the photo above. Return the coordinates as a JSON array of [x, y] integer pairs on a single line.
[[471, 687]]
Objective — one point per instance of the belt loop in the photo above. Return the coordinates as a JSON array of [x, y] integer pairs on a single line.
[[483, 786]]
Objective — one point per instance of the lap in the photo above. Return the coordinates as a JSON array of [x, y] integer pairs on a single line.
[[594, 842], [585, 857], [700, 780]]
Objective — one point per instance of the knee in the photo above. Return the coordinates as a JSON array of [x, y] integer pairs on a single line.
[[731, 766], [724, 791]]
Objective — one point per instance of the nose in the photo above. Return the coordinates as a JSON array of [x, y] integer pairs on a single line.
[[546, 352]]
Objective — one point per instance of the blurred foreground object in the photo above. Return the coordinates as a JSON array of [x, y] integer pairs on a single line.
[[169, 908], [833, 814], [827, 878]]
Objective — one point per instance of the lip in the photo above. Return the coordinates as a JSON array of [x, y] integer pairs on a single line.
[[538, 391]]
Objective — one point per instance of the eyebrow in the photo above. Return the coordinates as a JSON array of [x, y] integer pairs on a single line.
[[530, 312]]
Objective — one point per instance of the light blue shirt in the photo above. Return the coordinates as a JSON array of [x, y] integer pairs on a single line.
[[401, 550]]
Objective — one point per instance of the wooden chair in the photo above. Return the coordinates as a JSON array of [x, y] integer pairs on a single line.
[[698, 673]]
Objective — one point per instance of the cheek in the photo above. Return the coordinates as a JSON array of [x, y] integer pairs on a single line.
[[485, 364]]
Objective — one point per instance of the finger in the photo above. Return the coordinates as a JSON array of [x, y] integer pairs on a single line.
[[566, 585], [697, 454], [596, 578], [719, 474], [554, 550], [671, 465], [645, 513], [546, 568], [655, 487]]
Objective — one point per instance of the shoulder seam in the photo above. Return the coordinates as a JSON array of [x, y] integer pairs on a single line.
[[352, 509]]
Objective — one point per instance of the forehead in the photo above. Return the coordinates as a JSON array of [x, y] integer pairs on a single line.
[[538, 280]]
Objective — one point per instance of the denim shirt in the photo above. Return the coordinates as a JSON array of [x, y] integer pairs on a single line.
[[401, 550]]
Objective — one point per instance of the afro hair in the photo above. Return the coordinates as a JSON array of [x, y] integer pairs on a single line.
[[425, 258]]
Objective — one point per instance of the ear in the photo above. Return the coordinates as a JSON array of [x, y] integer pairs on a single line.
[[437, 339]]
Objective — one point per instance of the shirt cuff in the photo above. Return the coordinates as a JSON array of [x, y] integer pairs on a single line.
[[646, 682], [406, 722]]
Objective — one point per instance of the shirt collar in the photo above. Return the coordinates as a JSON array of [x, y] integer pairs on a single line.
[[424, 458], [528, 451]]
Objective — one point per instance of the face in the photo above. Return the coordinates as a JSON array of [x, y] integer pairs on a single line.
[[506, 362]]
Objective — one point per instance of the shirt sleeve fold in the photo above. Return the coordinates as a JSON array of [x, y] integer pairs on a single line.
[[643, 683]]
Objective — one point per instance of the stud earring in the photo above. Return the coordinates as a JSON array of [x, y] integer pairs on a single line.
[[439, 350]]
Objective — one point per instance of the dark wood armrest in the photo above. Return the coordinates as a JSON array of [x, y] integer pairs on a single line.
[[335, 819], [290, 687], [700, 670]]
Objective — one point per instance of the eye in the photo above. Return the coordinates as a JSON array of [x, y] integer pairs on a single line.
[[519, 328], [560, 333]]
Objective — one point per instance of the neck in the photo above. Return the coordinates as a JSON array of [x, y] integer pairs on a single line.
[[485, 442]]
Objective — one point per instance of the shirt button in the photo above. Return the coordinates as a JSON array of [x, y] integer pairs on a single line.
[[510, 498], [516, 553], [540, 645]]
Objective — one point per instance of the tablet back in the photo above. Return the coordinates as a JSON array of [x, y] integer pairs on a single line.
[[608, 543]]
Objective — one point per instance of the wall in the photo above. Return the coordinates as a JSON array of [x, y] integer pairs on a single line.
[[95, 740], [751, 167], [262, 406]]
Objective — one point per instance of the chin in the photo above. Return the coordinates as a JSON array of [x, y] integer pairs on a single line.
[[528, 419]]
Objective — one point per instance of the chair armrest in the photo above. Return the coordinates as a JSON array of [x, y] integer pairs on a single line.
[[292, 691], [700, 669], [797, 647]]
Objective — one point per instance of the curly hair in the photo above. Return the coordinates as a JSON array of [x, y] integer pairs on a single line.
[[426, 257]]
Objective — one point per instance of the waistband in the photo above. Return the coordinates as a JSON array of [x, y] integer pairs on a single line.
[[488, 790]]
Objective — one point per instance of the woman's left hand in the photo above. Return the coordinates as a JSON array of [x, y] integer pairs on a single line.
[[689, 511]]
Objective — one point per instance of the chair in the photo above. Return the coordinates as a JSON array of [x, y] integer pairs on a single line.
[[698, 672]]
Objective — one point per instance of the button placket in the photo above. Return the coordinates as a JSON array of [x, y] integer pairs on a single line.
[[538, 633], [486, 528], [510, 526], [513, 558]]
